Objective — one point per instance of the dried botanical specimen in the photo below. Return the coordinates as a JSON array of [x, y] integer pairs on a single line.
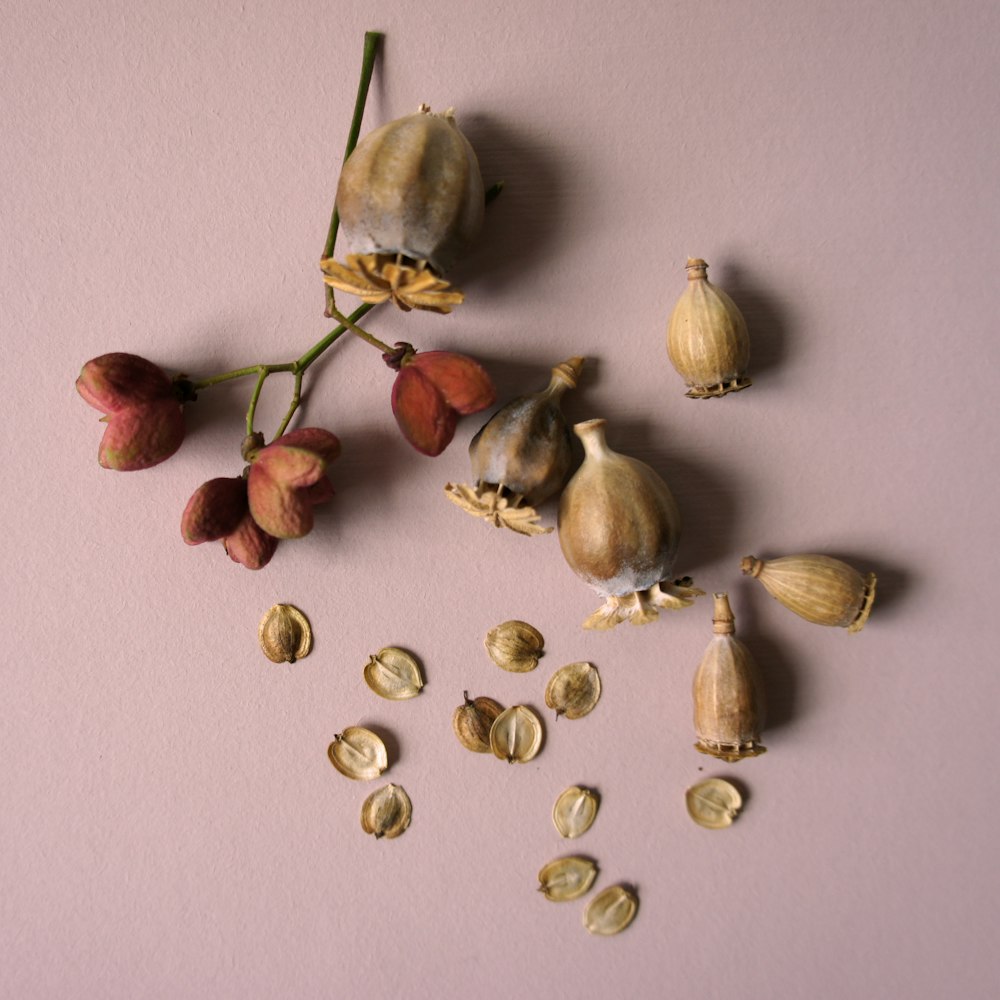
[[610, 911], [619, 527], [411, 202], [358, 754], [573, 690], [386, 812], [516, 735], [284, 634], [514, 646], [820, 589], [713, 803], [575, 811], [473, 720], [707, 337], [520, 456], [726, 699], [567, 878], [394, 674]]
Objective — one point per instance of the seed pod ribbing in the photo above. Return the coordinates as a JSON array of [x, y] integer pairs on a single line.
[[726, 700]]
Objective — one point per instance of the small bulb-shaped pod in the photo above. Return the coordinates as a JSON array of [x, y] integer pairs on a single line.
[[520, 457], [727, 704], [707, 337], [619, 528], [820, 589], [411, 202]]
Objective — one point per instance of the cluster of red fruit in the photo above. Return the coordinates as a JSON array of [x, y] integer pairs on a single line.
[[274, 497]]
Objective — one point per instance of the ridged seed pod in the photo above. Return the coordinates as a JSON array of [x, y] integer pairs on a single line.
[[727, 712], [707, 337], [411, 202], [820, 589], [619, 528], [520, 456]]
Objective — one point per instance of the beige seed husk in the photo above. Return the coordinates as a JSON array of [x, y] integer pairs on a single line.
[[575, 811], [358, 754], [707, 338], [284, 634], [573, 690], [820, 589], [473, 720], [727, 704], [386, 812], [713, 803], [516, 735], [514, 646], [567, 878], [394, 674], [610, 911]]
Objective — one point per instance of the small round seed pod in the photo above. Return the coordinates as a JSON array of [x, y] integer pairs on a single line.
[[411, 202], [619, 527], [820, 589], [473, 720], [726, 701], [707, 337], [520, 457]]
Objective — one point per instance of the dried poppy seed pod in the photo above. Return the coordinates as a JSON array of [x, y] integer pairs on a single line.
[[619, 527], [726, 701], [411, 202], [820, 589], [525, 450], [707, 337]]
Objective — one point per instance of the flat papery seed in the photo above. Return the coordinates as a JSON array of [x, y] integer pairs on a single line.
[[358, 754], [514, 646], [610, 911], [394, 674], [714, 803], [575, 811], [516, 735], [473, 720], [567, 878], [284, 634], [386, 812], [573, 690]]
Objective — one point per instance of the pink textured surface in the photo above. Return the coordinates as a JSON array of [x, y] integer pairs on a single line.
[[169, 824]]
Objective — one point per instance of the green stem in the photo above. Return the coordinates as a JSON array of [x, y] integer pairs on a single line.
[[292, 406], [372, 39], [317, 349], [348, 321], [252, 409], [207, 383]]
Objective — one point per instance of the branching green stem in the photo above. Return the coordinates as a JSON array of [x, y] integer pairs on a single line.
[[348, 321]]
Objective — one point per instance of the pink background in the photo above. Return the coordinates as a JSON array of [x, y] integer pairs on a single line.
[[170, 824]]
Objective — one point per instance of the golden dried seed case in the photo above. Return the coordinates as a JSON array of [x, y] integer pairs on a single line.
[[411, 201], [610, 911], [575, 811], [727, 712], [516, 735], [358, 754], [473, 720], [619, 528], [514, 646], [394, 674], [820, 589], [284, 634], [707, 337], [713, 803], [573, 690], [386, 812], [520, 457], [567, 878]]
